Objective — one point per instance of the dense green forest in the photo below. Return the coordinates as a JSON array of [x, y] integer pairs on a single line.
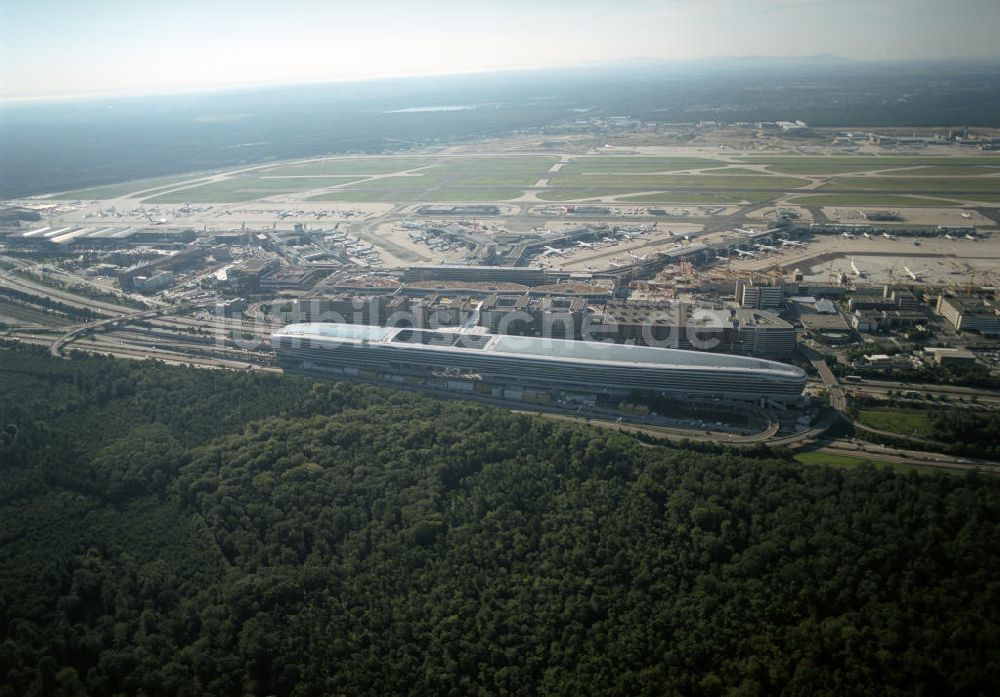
[[173, 531], [968, 432]]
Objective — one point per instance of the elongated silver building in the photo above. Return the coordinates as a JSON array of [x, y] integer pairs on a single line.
[[515, 366]]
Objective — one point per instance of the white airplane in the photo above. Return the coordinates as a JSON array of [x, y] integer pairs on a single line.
[[767, 248], [911, 274], [637, 257], [857, 272], [888, 236], [949, 236], [970, 237], [791, 243], [588, 245], [553, 250], [747, 231], [847, 235], [866, 235], [966, 215], [744, 254]]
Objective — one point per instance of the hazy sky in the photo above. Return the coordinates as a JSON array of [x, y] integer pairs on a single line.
[[83, 46]]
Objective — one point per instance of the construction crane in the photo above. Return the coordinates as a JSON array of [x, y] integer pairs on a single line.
[[970, 286]]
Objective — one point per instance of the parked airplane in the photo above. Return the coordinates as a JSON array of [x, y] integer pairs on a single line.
[[767, 248], [857, 272], [791, 243], [970, 237], [553, 250], [588, 245], [847, 235], [866, 235], [949, 236], [744, 254], [913, 275], [747, 231], [888, 236]]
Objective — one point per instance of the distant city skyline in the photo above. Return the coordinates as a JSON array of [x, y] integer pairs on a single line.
[[54, 47]]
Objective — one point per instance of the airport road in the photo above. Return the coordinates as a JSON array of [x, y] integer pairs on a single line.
[[92, 327], [886, 385], [67, 297], [838, 398], [909, 457]]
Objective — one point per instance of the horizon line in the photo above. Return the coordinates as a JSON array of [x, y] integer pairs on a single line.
[[139, 92]]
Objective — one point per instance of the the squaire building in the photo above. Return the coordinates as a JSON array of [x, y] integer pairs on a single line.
[[516, 367]]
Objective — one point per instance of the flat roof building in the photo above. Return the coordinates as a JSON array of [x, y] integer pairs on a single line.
[[968, 314]]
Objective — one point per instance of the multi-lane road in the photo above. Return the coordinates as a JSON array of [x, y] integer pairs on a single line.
[[171, 334]]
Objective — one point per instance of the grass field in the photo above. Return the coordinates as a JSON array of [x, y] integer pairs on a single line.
[[698, 197], [245, 188], [637, 165], [950, 171], [869, 200], [828, 165], [661, 197], [985, 198], [850, 462], [913, 423], [399, 195], [350, 166], [634, 179], [645, 182], [936, 185], [457, 179], [148, 186], [733, 170]]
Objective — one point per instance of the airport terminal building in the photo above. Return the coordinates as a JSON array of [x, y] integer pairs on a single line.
[[528, 368]]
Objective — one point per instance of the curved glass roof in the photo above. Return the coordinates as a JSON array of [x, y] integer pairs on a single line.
[[593, 351], [359, 332]]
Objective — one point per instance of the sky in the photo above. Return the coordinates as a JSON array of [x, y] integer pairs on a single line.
[[66, 47]]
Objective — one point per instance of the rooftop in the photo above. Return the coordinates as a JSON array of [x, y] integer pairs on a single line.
[[561, 350]]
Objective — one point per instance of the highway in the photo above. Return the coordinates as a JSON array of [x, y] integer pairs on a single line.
[[168, 336], [881, 453]]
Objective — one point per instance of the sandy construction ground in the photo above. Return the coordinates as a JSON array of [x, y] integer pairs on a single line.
[[936, 261], [911, 216], [256, 215], [600, 258]]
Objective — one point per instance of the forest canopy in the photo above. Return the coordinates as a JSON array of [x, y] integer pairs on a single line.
[[173, 531]]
